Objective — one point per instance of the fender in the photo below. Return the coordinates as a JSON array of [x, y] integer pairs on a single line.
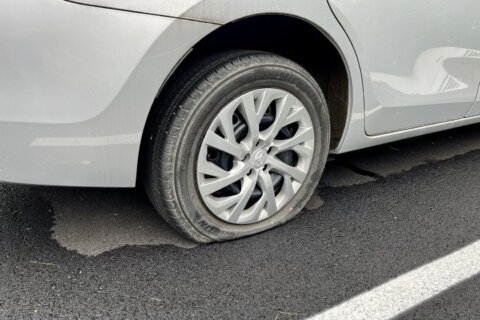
[[77, 84], [317, 13]]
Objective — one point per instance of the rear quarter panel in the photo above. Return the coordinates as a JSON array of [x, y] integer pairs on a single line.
[[76, 87]]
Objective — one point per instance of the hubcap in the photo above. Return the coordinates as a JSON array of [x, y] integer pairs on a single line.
[[255, 156]]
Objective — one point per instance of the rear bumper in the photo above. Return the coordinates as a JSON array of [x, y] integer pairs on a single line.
[[76, 87]]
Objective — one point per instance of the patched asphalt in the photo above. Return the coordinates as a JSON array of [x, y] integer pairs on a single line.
[[71, 253]]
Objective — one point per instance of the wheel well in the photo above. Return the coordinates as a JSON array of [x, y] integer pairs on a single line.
[[295, 39], [292, 38]]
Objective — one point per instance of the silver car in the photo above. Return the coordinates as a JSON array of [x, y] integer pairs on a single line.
[[225, 110]]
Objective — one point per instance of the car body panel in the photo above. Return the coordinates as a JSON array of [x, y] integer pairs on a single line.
[[417, 70], [69, 74], [78, 81], [177, 8], [217, 11], [76, 87], [91, 136], [475, 109]]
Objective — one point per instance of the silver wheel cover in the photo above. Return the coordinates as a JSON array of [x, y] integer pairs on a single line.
[[246, 152]]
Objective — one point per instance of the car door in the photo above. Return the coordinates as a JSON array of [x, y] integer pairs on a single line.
[[420, 60]]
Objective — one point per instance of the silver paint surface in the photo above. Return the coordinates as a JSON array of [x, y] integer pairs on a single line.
[[78, 81], [420, 60], [76, 86]]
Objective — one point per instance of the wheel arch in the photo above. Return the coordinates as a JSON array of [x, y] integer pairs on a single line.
[[290, 36]]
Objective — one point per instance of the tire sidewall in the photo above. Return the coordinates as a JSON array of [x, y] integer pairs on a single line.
[[295, 82]]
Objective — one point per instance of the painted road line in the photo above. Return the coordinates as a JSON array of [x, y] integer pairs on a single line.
[[410, 289]]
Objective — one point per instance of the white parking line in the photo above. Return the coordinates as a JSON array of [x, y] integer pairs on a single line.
[[410, 289]]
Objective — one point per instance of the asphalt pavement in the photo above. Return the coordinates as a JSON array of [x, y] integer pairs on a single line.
[[391, 230]]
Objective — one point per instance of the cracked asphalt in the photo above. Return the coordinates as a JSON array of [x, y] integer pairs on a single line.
[[71, 253]]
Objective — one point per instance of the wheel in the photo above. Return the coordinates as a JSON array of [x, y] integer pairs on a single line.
[[237, 146]]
